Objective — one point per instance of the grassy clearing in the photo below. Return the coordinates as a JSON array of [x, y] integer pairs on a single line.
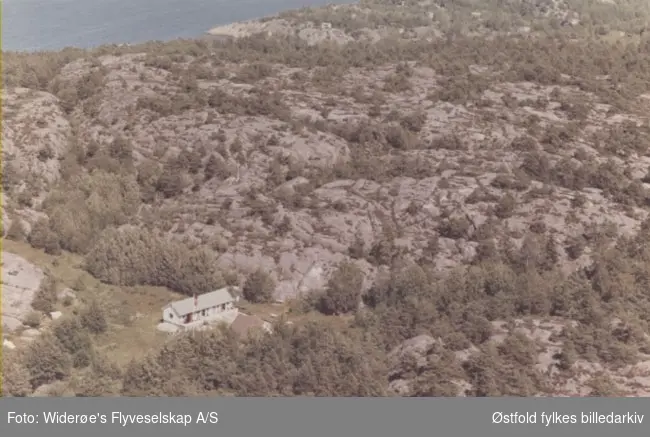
[[133, 312], [291, 313]]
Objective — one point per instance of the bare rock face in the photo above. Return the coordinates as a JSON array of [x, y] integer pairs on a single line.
[[411, 353], [304, 220], [416, 347], [55, 389], [414, 358], [31, 146], [8, 344], [20, 281]]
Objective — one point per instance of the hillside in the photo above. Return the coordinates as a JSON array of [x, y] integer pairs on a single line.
[[427, 198]]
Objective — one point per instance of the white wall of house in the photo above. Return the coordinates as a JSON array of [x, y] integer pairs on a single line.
[[170, 316], [199, 317], [210, 313]]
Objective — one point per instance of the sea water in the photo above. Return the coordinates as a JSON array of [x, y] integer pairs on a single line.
[[33, 25]]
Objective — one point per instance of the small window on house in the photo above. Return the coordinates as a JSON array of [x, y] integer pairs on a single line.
[[203, 313], [171, 315]]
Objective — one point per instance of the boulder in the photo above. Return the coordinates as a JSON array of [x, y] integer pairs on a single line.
[[31, 333], [8, 344]]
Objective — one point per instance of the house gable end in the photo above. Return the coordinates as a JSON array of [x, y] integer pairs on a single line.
[[169, 309]]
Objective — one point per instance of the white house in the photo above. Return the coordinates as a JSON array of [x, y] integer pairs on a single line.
[[218, 305]]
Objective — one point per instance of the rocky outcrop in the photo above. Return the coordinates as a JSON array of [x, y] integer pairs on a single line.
[[20, 281]]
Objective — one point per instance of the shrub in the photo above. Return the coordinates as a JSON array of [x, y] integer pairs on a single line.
[[454, 228], [144, 378], [505, 207], [384, 250], [46, 153], [72, 336], [252, 73], [414, 121], [33, 319], [519, 349], [91, 384], [15, 377], [11, 176], [46, 297], [46, 361], [432, 249], [157, 104], [82, 359], [400, 138], [408, 282], [482, 372], [93, 318], [121, 150], [259, 287], [41, 237], [603, 386], [567, 357], [575, 247], [536, 165], [476, 328], [357, 249], [16, 231], [343, 292], [216, 167], [397, 83], [170, 183]]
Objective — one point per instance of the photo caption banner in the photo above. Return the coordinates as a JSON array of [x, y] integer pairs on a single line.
[[324, 417]]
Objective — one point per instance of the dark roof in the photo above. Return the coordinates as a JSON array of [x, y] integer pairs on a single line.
[[244, 323]]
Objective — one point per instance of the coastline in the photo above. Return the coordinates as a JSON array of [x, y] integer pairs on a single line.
[[237, 29], [303, 23], [46, 28], [272, 24]]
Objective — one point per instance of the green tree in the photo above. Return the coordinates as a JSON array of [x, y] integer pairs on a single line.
[[15, 377], [46, 296], [343, 292], [131, 256], [71, 335], [259, 287], [93, 318], [46, 360]]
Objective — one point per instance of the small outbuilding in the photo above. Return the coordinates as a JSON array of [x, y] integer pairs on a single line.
[[245, 325]]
